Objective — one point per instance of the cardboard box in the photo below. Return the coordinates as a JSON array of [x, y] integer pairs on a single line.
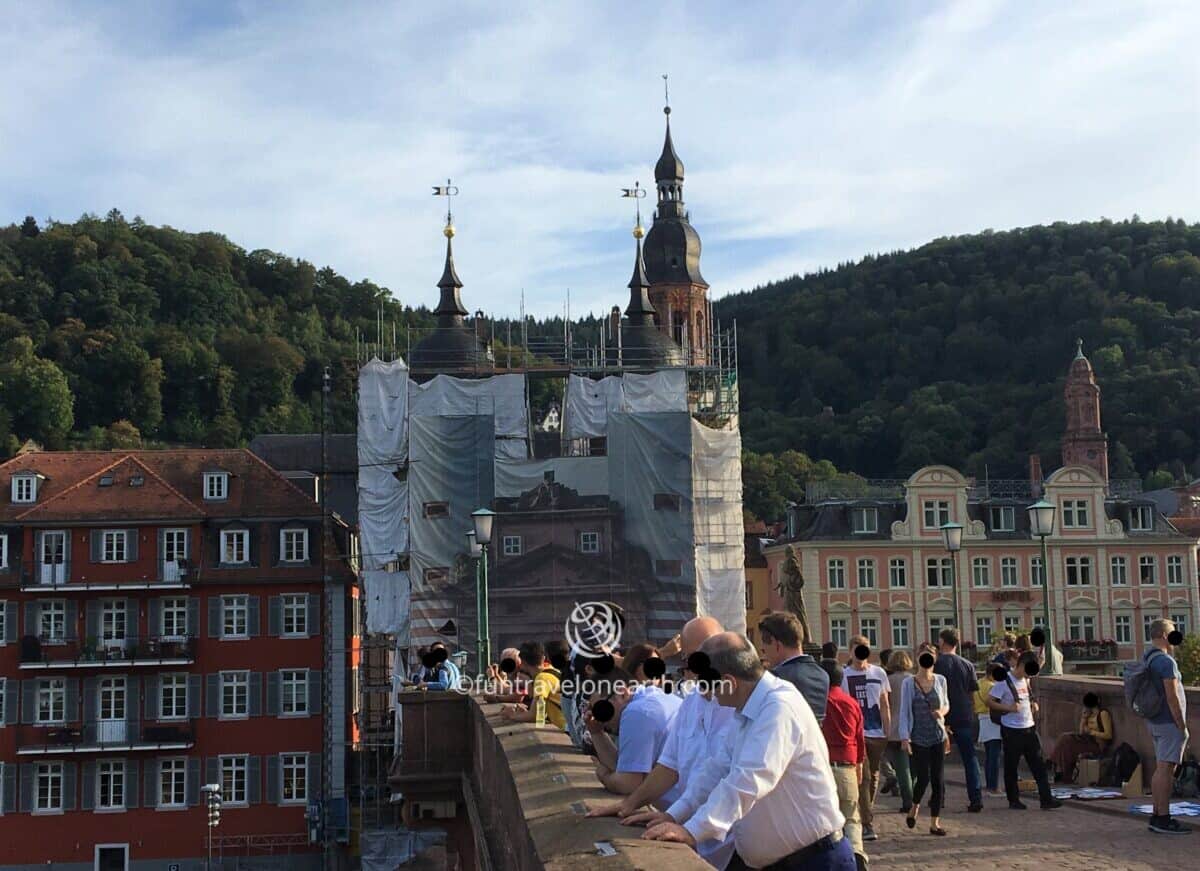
[[1089, 772], [1133, 787]]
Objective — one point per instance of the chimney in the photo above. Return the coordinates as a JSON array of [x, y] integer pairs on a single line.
[[1035, 474], [614, 321]]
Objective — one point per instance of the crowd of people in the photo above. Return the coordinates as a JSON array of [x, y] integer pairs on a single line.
[[770, 758]]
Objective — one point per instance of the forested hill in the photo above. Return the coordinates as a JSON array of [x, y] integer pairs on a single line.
[[956, 352], [112, 331]]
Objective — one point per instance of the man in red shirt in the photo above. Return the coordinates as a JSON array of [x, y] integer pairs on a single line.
[[843, 730]]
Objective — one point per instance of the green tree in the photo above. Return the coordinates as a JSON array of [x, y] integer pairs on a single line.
[[1188, 657], [35, 394]]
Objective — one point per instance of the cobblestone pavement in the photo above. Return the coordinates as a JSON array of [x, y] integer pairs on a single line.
[[999, 838]]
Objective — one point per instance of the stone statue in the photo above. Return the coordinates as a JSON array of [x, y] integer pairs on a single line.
[[791, 587]]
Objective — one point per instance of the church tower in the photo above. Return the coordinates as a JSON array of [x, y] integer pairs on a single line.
[[678, 292], [1084, 443]]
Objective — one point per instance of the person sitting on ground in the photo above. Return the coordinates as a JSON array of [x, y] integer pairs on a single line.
[[640, 716], [924, 704], [1018, 733], [545, 682], [843, 731], [899, 666], [782, 650], [1092, 738]]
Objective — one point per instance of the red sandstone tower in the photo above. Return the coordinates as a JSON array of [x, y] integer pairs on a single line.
[[1084, 443]]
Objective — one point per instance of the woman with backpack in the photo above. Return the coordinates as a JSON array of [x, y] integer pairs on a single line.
[[924, 703], [1093, 737]]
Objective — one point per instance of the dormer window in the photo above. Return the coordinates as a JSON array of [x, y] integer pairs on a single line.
[[1141, 518], [24, 488], [293, 545], [1004, 518], [864, 520], [216, 485]]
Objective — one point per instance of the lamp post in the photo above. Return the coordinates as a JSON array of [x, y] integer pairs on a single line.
[[474, 550], [952, 539], [483, 519], [1041, 524], [212, 801]]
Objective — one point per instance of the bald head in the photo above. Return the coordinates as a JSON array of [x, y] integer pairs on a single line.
[[733, 654], [696, 631]]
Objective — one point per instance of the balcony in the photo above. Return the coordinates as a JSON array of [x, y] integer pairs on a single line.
[[104, 736], [53, 579], [45, 654]]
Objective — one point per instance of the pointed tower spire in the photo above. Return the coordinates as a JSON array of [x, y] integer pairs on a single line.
[[639, 310], [1084, 442], [450, 309]]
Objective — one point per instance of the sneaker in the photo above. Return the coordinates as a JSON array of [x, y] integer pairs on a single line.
[[1051, 805], [1016, 806], [868, 834], [975, 807], [1168, 826], [995, 793]]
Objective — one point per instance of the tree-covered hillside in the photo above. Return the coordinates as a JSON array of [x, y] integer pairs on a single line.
[[114, 331], [956, 352]]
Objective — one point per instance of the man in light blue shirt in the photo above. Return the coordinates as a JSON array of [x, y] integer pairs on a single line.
[[446, 673], [641, 715]]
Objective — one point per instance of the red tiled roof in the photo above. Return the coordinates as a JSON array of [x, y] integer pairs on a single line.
[[173, 486], [1189, 526]]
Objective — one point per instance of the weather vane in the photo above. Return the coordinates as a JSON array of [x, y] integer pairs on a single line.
[[447, 190], [636, 193], [666, 95]]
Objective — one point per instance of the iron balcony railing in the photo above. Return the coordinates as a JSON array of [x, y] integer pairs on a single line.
[[998, 489], [102, 735], [36, 577], [70, 651]]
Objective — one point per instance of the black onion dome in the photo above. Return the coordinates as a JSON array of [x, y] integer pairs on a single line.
[[673, 252], [669, 166]]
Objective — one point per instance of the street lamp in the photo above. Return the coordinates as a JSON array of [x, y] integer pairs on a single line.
[[952, 540], [482, 537], [1041, 524], [212, 801], [474, 550]]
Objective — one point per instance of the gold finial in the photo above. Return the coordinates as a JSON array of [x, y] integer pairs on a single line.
[[448, 190], [636, 193], [638, 232], [449, 231]]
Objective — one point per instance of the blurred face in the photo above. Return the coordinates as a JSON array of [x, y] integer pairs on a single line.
[[772, 651]]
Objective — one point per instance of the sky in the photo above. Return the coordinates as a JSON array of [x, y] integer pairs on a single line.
[[812, 133]]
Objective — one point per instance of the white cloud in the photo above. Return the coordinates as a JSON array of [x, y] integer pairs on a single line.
[[811, 136]]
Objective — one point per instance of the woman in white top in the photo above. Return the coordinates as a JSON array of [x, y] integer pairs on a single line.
[[924, 703]]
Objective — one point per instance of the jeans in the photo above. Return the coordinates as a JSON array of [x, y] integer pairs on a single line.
[[1018, 743], [929, 764], [840, 858], [900, 765], [991, 764], [870, 782], [846, 778], [964, 740]]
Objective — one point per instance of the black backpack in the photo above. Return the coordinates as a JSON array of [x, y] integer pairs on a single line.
[[1187, 780]]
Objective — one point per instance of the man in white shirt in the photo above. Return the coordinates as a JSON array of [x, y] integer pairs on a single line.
[[771, 786], [694, 737], [868, 685], [1019, 734], [641, 715]]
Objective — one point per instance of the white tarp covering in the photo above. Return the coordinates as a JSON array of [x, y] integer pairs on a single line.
[[389, 599], [500, 396], [589, 402], [718, 527], [588, 476], [382, 516], [382, 413]]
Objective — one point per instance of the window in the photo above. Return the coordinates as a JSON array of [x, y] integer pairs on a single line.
[[1118, 571], [294, 693], [52, 621], [589, 542], [173, 697], [1012, 624], [52, 700], [1181, 622], [175, 545], [666, 502], [869, 627], [864, 520], [295, 615], [1004, 518], [234, 617], [836, 572], [4, 621], [174, 619], [49, 796], [1081, 628], [112, 705], [1147, 619], [1174, 570], [1037, 572], [937, 513], [234, 771], [113, 622], [936, 625], [293, 545], [839, 632], [1123, 625], [1079, 571], [749, 595], [937, 571], [294, 768], [172, 782], [3, 551], [899, 632], [437, 574], [1147, 570], [1010, 573], [216, 485], [866, 574], [983, 631], [235, 546], [1141, 518], [110, 785], [113, 545], [981, 572], [24, 488], [235, 694], [1075, 513], [436, 509], [897, 572], [512, 545]]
